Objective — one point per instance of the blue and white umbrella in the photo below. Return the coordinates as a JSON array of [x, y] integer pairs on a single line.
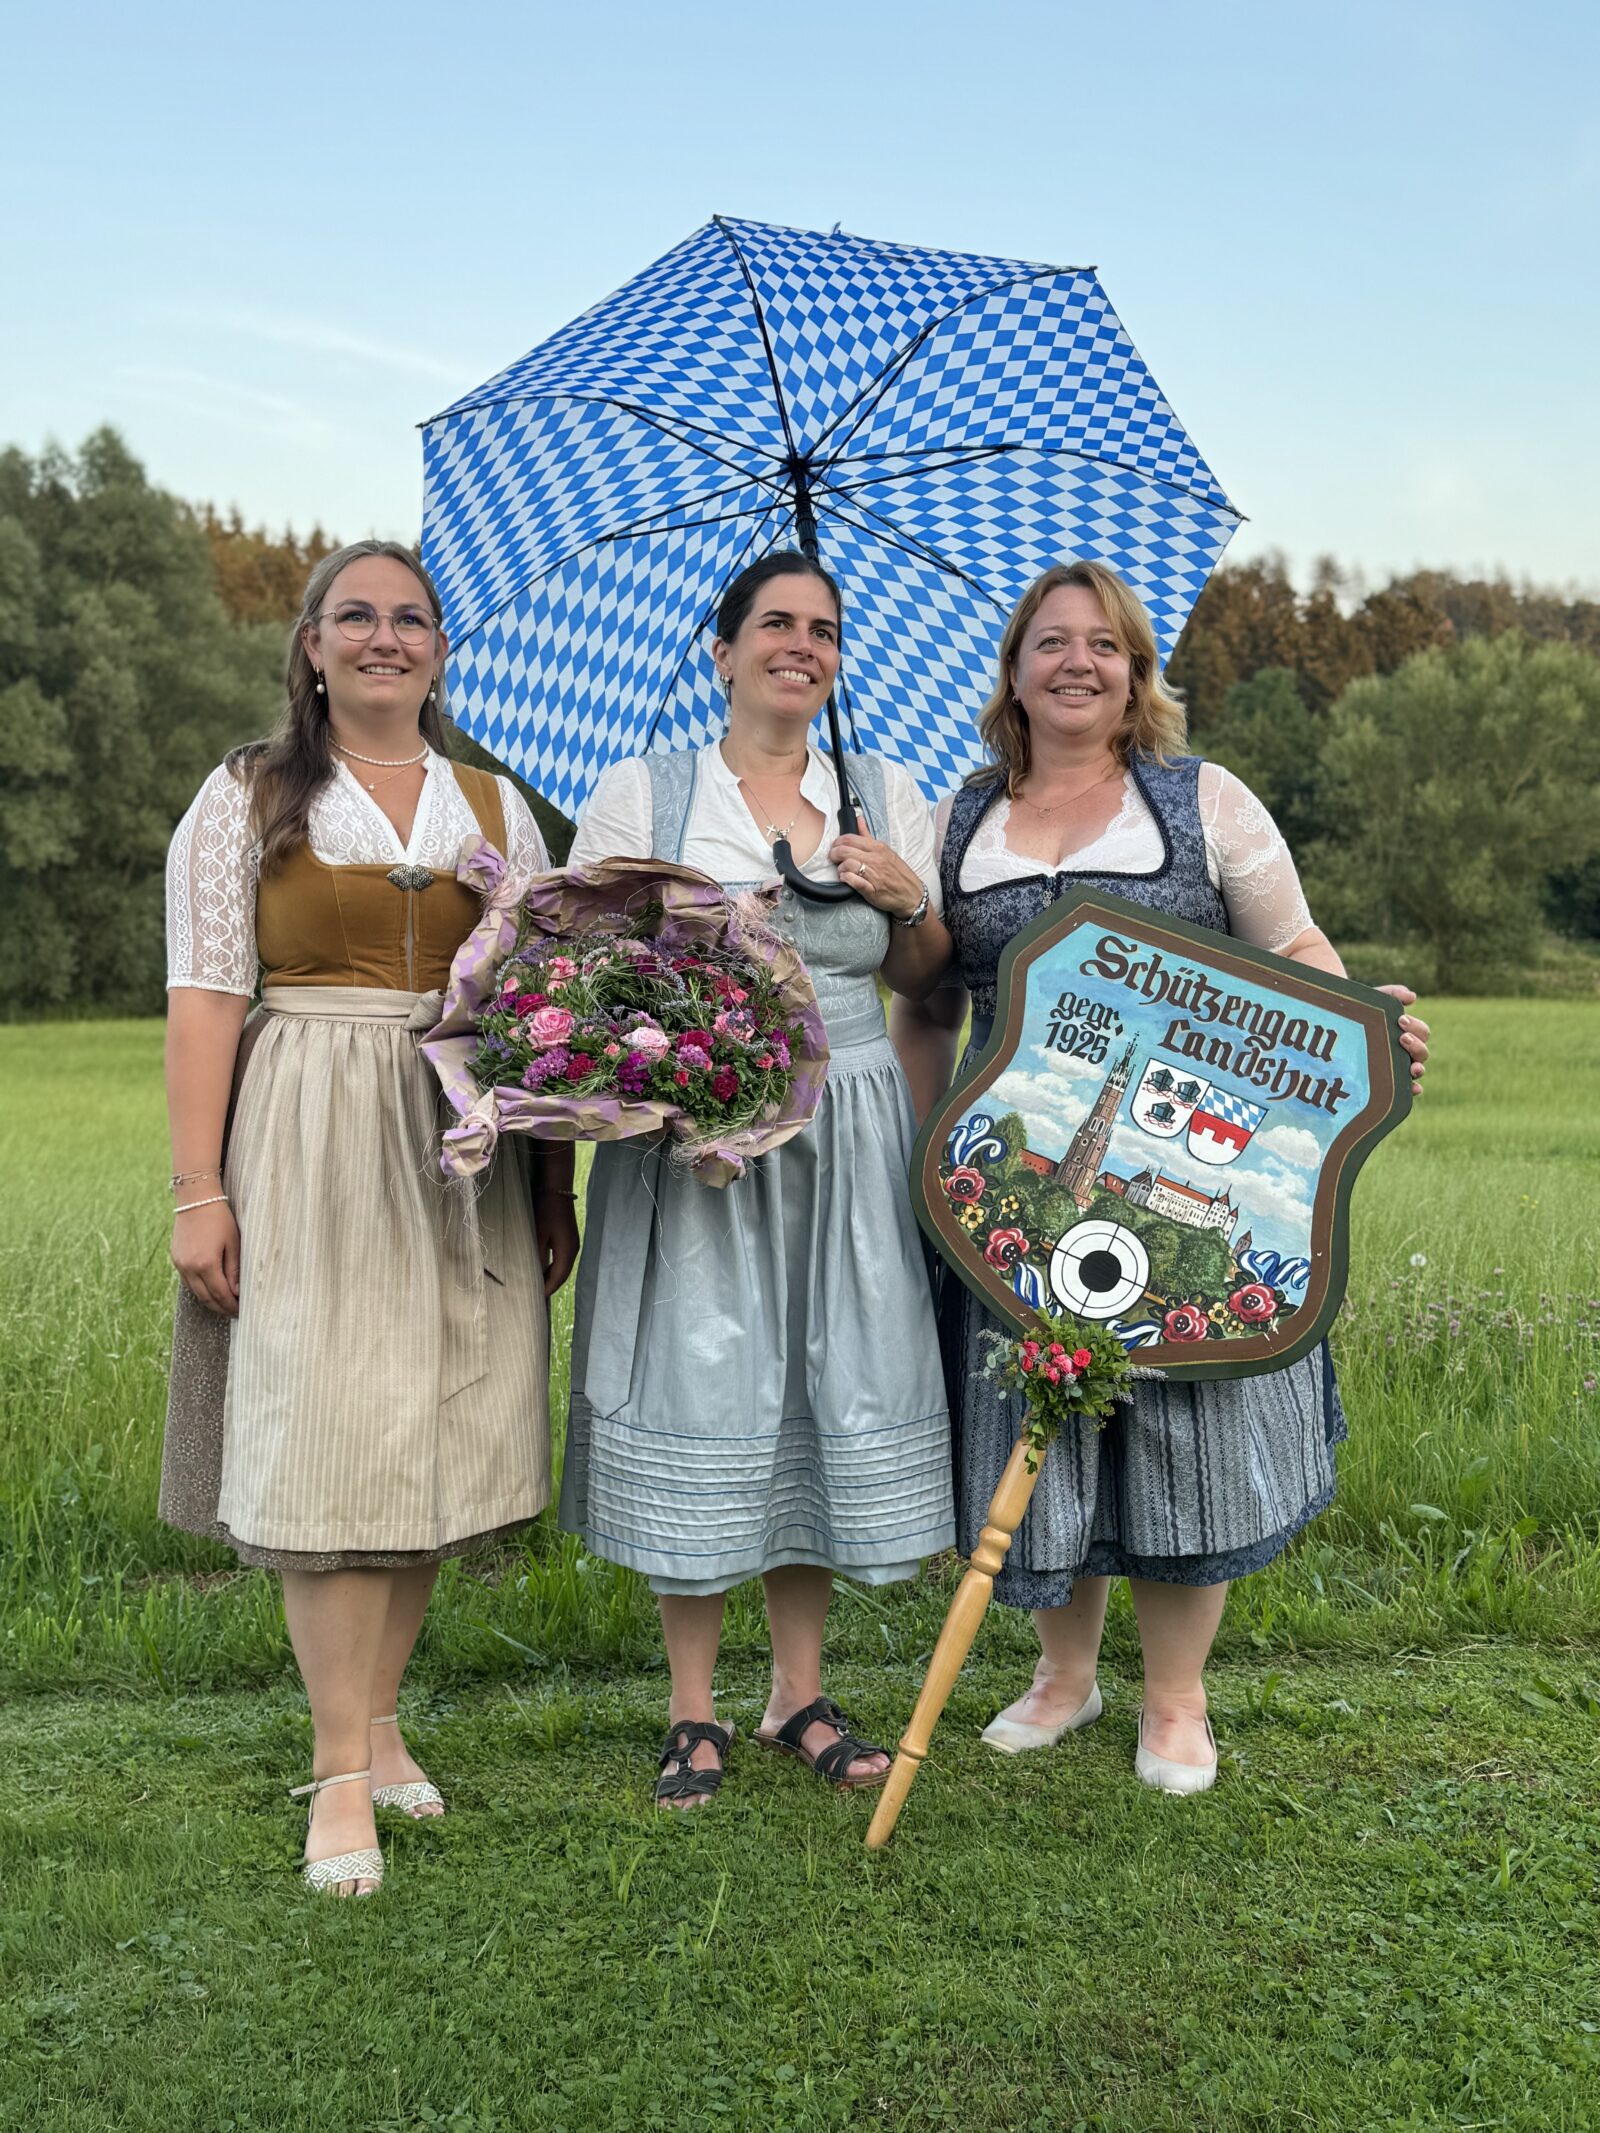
[[940, 426]]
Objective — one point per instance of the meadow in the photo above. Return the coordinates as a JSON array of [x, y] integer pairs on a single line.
[[1385, 1914]]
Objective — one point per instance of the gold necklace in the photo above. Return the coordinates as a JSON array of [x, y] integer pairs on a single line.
[[1072, 798]]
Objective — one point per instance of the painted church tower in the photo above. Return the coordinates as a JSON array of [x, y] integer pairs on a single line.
[[1079, 1169]]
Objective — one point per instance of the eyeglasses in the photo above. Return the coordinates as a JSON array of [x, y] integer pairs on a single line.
[[355, 620]]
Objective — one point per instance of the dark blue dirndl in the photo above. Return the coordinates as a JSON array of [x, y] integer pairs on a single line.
[[1186, 1484]]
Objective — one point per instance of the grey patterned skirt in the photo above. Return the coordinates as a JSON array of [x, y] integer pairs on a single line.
[[1186, 1484]]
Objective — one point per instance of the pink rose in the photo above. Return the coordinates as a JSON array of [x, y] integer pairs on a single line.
[[682, 1078], [965, 1185], [653, 1043], [549, 1025], [560, 968], [1004, 1248], [1081, 1359], [766, 1062], [1186, 1324], [1253, 1305]]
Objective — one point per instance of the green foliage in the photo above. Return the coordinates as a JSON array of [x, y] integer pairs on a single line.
[[139, 642], [122, 682], [1454, 788], [1266, 736]]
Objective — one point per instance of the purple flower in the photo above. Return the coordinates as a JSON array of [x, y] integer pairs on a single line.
[[549, 1066], [693, 1055]]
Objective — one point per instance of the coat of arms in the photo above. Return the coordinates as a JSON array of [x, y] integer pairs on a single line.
[[1161, 1135]]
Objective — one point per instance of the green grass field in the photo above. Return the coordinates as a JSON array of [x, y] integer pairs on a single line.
[[1385, 1915]]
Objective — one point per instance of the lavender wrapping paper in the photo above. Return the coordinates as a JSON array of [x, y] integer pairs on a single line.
[[603, 899]]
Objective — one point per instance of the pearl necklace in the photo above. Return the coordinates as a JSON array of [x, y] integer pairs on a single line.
[[409, 763]]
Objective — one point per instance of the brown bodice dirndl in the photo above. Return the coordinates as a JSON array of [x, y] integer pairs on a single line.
[[381, 1398]]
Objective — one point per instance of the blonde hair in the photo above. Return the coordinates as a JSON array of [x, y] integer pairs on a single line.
[[1154, 724]]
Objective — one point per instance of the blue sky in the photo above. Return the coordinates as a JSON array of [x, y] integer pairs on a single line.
[[1271, 1182], [1357, 246]]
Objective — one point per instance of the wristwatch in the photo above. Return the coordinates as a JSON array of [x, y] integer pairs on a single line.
[[916, 917]]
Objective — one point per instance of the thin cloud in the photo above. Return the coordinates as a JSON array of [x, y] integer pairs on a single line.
[[198, 392], [318, 338]]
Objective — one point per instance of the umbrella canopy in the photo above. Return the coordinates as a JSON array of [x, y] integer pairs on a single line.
[[940, 426]]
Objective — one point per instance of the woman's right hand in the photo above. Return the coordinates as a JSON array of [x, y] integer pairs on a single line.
[[205, 1251]]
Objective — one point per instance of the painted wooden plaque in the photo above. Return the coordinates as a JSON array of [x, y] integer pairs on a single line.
[[1161, 1134]]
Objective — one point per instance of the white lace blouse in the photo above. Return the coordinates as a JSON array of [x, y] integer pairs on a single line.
[[1246, 857], [212, 863], [722, 838]]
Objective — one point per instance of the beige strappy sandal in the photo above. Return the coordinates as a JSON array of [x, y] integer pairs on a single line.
[[413, 1794], [364, 1865]]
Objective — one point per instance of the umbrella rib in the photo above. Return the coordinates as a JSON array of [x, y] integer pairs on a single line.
[[602, 540], [766, 338], [882, 530], [964, 455], [687, 433], [692, 638], [898, 362]]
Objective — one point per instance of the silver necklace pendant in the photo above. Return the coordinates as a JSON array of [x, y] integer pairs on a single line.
[[411, 877]]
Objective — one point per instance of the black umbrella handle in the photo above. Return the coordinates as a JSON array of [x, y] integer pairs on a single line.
[[823, 892], [816, 892]]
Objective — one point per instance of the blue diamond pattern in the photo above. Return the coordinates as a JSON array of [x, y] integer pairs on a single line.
[[967, 422], [584, 666]]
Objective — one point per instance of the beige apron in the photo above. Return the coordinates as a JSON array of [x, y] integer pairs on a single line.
[[382, 1394]]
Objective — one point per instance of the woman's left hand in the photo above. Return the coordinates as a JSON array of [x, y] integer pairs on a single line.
[[555, 1237], [878, 874], [1413, 1033]]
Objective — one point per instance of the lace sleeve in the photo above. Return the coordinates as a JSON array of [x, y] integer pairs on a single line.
[[910, 829], [525, 852], [211, 891], [1255, 873], [615, 820]]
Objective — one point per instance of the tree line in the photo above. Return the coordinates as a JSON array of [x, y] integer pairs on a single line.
[[1430, 749]]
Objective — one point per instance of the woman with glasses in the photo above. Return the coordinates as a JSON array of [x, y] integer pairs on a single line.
[[359, 1364]]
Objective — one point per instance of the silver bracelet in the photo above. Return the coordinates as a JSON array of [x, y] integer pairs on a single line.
[[217, 1199], [916, 917]]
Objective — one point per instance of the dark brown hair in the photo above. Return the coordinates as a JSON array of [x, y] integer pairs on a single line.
[[740, 597], [286, 772]]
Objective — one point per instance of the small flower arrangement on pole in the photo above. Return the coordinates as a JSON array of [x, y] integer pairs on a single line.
[[1064, 1370]]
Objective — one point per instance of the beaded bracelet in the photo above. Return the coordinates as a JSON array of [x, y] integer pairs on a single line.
[[218, 1199]]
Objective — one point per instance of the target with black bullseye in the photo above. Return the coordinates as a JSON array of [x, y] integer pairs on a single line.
[[1099, 1269]]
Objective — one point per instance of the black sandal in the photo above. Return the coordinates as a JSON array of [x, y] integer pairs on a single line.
[[833, 1762], [683, 1782]]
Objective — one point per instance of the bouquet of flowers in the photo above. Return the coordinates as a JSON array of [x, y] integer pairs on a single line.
[[624, 998], [1064, 1369]]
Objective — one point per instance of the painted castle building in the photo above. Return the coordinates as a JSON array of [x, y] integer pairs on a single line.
[[1180, 1202]]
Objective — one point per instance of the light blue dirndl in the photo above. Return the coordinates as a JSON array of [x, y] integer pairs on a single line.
[[755, 1370]]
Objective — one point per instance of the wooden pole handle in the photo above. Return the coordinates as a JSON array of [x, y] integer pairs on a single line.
[[967, 1610]]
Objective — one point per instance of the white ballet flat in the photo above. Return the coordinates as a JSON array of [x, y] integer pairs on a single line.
[[363, 1865], [1013, 1736], [412, 1794], [1165, 1776]]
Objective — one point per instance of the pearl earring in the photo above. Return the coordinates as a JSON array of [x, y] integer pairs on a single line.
[[321, 691]]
